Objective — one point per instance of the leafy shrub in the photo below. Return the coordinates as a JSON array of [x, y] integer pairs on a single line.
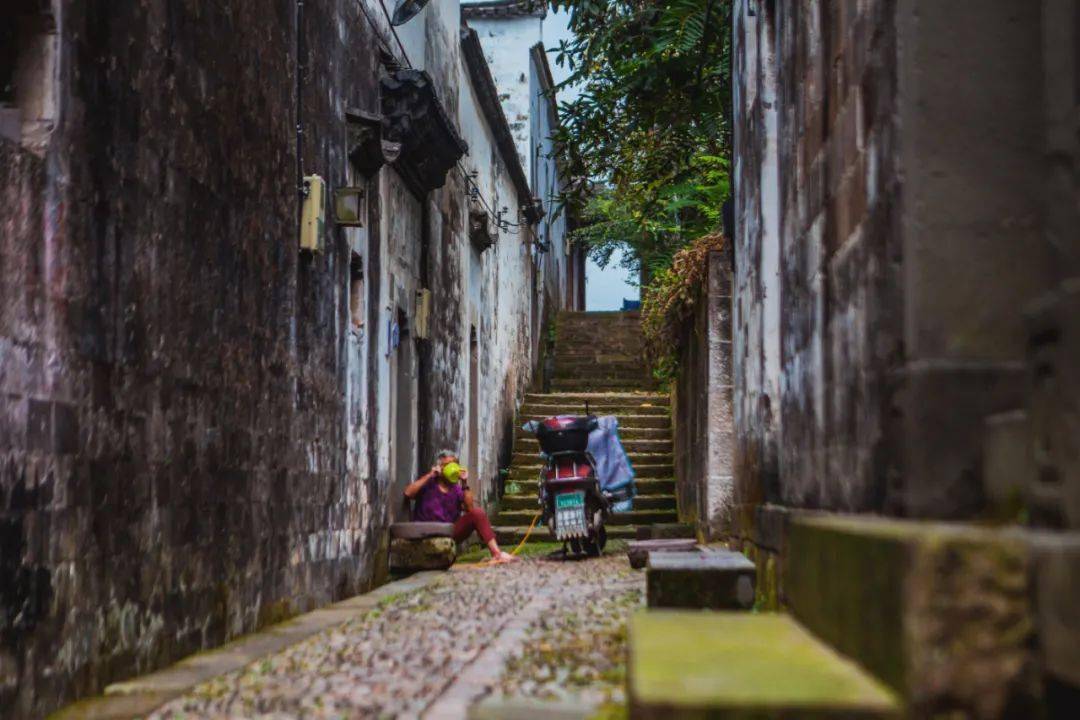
[[668, 302]]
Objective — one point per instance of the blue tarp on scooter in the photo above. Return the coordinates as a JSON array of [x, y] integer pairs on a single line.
[[613, 466]]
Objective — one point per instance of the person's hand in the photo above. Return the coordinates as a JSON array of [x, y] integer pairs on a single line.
[[464, 474], [436, 469]]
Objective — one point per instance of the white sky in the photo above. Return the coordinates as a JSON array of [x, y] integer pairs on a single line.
[[604, 289]]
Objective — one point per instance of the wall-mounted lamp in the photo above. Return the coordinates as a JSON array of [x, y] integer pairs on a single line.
[[349, 206], [406, 10]]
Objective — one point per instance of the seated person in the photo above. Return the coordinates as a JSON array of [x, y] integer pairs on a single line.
[[443, 495]]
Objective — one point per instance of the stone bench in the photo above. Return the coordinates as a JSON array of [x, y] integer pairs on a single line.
[[685, 664], [638, 550], [659, 531], [711, 579], [416, 546]]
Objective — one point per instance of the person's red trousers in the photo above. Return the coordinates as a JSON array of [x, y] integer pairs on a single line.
[[475, 519]]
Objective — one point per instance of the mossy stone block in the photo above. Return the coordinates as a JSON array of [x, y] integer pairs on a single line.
[[437, 553], [691, 664], [939, 611], [715, 579], [638, 550]]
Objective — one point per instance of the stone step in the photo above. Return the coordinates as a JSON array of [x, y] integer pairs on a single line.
[[625, 433], [585, 338], [621, 352], [684, 664], [520, 458], [627, 422], [627, 399], [608, 325], [588, 362], [590, 320], [632, 446], [576, 408], [600, 384], [433, 553], [658, 531], [645, 486], [570, 315], [528, 501], [603, 324], [915, 574], [603, 356], [663, 472], [592, 371], [637, 551], [710, 579], [510, 535], [634, 517]]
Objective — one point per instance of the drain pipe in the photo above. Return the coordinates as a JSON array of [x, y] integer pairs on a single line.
[[301, 188]]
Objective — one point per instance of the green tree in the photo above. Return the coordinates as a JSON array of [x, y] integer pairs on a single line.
[[649, 132]]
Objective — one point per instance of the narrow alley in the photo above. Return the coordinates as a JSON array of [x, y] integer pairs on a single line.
[[514, 637], [540, 359]]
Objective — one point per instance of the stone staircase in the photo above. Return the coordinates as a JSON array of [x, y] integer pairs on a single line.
[[598, 361]]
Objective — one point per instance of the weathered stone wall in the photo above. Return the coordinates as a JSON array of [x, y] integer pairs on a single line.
[[1046, 433], [756, 244], [701, 408], [816, 258], [902, 246], [196, 436], [172, 468]]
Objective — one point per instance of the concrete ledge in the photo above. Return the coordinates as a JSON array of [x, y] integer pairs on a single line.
[[715, 579], [940, 612], [738, 665], [433, 553], [141, 695]]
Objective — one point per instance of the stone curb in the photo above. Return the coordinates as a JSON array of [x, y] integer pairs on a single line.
[[142, 695]]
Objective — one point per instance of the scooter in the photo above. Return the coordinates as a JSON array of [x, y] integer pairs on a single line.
[[572, 503]]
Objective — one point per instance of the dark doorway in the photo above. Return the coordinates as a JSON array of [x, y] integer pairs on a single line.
[[403, 441], [474, 413]]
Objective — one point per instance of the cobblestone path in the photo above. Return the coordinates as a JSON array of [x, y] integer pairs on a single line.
[[536, 629]]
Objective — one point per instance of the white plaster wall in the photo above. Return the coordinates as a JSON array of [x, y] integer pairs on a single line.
[[506, 43], [496, 284], [498, 294]]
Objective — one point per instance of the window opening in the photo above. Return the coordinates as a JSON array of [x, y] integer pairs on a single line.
[[27, 73], [356, 292]]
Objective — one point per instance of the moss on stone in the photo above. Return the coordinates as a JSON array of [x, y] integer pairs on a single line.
[[768, 597], [272, 613], [727, 663], [917, 601]]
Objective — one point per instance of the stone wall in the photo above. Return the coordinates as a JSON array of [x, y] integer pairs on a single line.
[[199, 423], [904, 332], [172, 469], [701, 408], [888, 237]]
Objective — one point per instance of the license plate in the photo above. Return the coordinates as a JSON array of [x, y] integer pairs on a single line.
[[570, 516], [569, 500]]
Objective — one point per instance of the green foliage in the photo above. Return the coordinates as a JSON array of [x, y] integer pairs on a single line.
[[649, 132], [668, 301]]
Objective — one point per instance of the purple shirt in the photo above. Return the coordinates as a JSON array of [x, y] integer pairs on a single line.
[[434, 505]]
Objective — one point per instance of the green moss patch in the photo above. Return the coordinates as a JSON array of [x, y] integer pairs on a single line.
[[729, 662]]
